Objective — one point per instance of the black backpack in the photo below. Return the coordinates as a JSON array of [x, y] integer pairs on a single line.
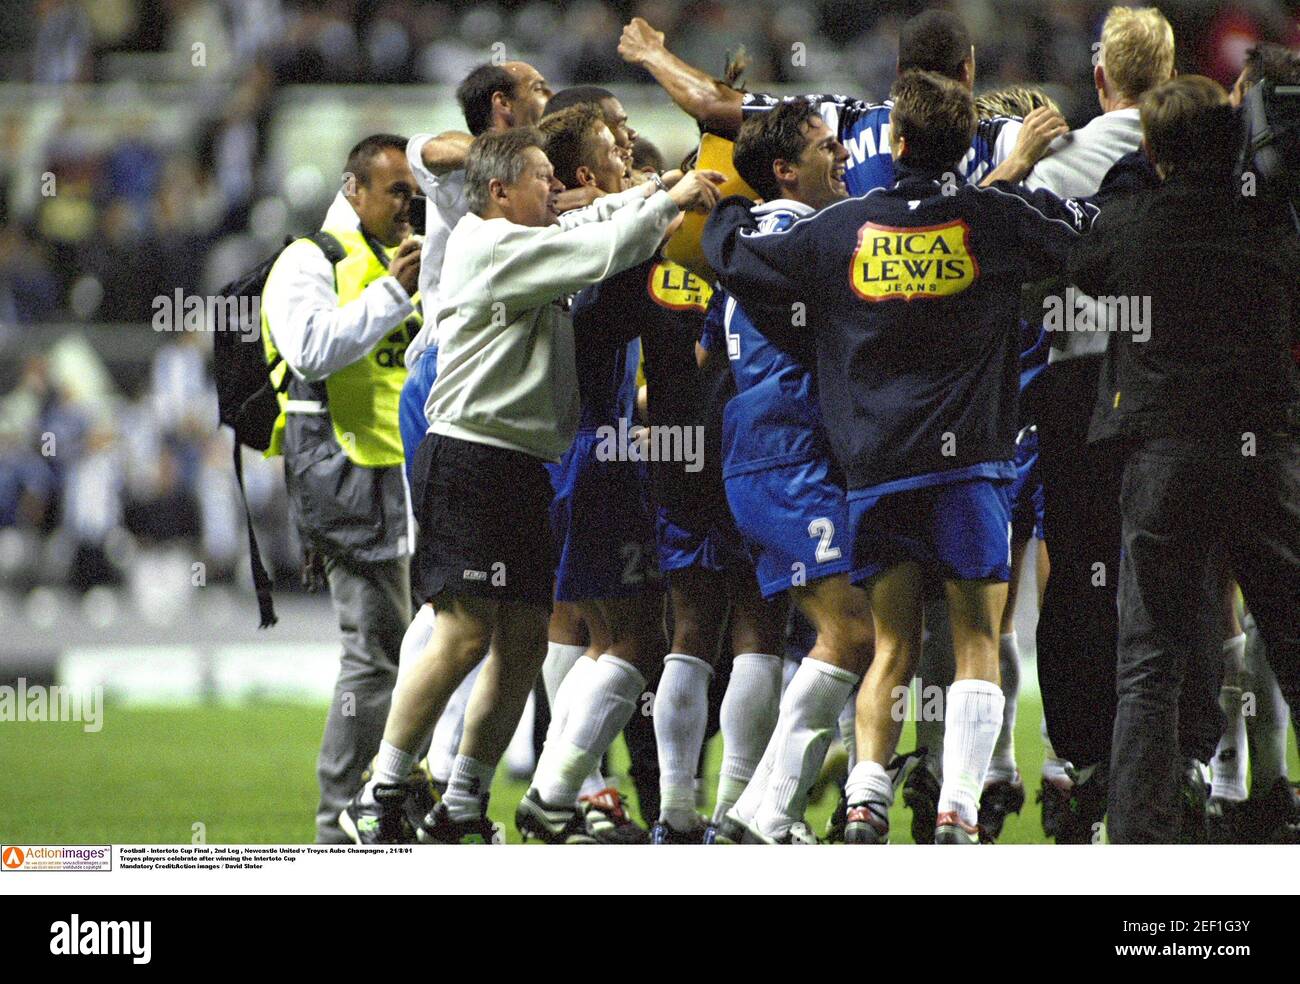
[[246, 395]]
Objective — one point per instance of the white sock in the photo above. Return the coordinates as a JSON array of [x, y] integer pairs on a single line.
[[449, 729], [810, 711], [1003, 765], [471, 782], [681, 716], [392, 766], [565, 686], [599, 707], [560, 659], [1053, 765], [1231, 757], [748, 801], [869, 783], [1267, 726], [848, 729], [974, 719], [747, 719]]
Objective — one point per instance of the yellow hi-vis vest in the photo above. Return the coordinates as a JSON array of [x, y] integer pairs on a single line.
[[362, 397]]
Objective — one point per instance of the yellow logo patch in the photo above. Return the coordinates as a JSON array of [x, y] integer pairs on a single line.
[[926, 261], [673, 286]]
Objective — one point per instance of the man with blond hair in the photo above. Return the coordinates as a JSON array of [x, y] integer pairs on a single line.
[[1077, 627]]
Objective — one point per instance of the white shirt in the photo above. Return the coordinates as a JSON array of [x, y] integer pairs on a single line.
[[446, 197], [314, 333], [1074, 167]]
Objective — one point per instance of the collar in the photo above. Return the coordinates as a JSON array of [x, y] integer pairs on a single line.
[[782, 205], [341, 214], [906, 174]]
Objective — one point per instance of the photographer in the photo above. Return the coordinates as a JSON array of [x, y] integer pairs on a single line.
[[341, 324], [1208, 410]]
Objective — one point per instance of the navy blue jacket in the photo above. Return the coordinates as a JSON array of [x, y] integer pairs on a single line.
[[914, 298]]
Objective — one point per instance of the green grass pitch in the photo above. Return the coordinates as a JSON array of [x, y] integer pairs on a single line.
[[247, 774]]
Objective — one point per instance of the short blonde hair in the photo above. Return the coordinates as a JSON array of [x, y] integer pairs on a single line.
[[1013, 100], [1137, 50]]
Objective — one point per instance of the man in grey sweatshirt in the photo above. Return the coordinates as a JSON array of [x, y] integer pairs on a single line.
[[505, 402]]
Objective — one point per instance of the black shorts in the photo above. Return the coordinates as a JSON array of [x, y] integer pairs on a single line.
[[484, 522]]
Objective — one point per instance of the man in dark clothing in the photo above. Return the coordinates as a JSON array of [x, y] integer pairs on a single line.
[[1207, 403]]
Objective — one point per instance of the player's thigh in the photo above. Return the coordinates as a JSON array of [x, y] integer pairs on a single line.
[[840, 611]]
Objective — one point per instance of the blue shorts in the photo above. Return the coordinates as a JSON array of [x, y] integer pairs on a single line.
[[796, 520], [411, 421], [603, 536], [1027, 491], [960, 531], [708, 541]]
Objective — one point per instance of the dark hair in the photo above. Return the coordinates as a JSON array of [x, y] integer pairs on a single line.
[[476, 92], [364, 153], [937, 117], [934, 41], [1277, 64], [500, 156], [576, 95], [765, 138], [1190, 129], [568, 136], [645, 154]]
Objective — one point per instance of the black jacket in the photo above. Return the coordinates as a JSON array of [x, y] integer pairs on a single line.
[[913, 296], [1224, 300]]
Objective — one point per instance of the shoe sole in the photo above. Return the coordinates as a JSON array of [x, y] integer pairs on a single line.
[[531, 826]]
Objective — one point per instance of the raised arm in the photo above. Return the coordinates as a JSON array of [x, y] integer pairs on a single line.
[[714, 104], [441, 154]]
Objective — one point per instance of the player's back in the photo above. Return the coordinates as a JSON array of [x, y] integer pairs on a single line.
[[774, 418]]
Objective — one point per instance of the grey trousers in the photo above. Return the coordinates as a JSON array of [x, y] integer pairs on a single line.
[[372, 601]]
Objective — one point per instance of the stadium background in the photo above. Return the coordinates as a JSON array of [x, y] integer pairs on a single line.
[[150, 146]]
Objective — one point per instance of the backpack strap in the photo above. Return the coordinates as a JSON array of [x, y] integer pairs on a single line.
[[261, 580], [329, 245]]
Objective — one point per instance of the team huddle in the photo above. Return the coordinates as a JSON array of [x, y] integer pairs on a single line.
[[811, 438]]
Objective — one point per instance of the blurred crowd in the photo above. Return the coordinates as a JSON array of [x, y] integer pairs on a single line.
[[94, 226]]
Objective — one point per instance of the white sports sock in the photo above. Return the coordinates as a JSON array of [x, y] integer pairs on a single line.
[[681, 714], [392, 765], [1231, 756], [560, 659], [450, 728], [471, 781], [869, 783], [1267, 726], [566, 685], [974, 719], [747, 719], [598, 708], [1053, 765], [809, 713], [748, 801], [417, 636], [848, 723], [1003, 765]]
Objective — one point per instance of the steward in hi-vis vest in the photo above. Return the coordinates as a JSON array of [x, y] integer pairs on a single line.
[[339, 309]]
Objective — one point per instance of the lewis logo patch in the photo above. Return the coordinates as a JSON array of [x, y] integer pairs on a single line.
[[929, 261]]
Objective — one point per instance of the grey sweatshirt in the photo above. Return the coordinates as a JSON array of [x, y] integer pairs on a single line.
[[506, 372]]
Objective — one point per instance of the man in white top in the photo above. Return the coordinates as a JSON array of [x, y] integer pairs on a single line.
[[493, 99], [504, 402], [1077, 626], [338, 309]]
